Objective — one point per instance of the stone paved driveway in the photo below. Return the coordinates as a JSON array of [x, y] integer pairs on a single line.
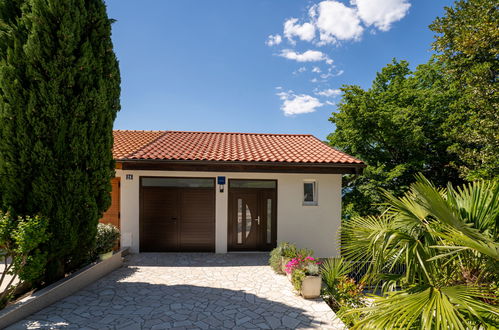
[[187, 291]]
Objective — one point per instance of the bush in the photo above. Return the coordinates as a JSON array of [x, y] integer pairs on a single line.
[[283, 250], [308, 264], [332, 270], [20, 239], [341, 292], [107, 236], [297, 278], [348, 315]]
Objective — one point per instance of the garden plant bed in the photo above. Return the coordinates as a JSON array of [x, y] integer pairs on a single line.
[[59, 290]]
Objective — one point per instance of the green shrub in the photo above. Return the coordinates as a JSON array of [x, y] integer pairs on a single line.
[[20, 239], [289, 250], [304, 253], [332, 271], [107, 236], [297, 278], [283, 250], [341, 292], [312, 269], [348, 315]]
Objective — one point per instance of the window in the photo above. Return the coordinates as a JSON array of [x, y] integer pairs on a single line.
[[234, 183], [310, 193], [179, 182]]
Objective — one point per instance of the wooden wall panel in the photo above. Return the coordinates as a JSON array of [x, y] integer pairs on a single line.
[[112, 215]]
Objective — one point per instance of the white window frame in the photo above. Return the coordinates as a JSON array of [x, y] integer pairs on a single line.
[[315, 194]]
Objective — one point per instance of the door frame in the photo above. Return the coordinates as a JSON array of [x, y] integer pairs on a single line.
[[141, 202], [229, 213]]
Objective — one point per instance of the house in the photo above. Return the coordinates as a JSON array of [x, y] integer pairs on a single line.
[[220, 192]]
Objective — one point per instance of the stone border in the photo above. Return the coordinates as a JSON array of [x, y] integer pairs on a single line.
[[60, 290]]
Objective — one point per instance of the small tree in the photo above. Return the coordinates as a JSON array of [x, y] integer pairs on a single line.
[[20, 241]]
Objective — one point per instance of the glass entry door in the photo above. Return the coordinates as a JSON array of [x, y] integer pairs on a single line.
[[252, 215]]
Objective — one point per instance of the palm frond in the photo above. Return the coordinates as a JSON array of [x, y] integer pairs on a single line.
[[456, 307]]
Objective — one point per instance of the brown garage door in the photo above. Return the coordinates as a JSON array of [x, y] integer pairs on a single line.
[[177, 215]]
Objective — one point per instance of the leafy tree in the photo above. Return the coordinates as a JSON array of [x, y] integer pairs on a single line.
[[397, 128], [59, 95], [447, 241], [468, 46]]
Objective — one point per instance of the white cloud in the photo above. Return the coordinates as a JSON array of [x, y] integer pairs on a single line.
[[295, 104], [381, 13], [316, 69], [305, 31], [308, 56], [329, 92], [336, 21], [273, 40], [300, 70]]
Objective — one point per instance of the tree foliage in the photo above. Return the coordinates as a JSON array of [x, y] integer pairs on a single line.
[[397, 127], [447, 241], [59, 94], [20, 241], [441, 120], [468, 45]]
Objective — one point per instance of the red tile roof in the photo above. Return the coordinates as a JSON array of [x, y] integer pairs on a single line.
[[214, 146], [126, 143]]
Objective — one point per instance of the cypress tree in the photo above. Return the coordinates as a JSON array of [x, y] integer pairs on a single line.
[[59, 95]]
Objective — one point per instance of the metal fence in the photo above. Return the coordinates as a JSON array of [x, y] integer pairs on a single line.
[[359, 269]]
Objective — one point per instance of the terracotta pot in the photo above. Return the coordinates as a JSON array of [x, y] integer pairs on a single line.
[[311, 287], [105, 256]]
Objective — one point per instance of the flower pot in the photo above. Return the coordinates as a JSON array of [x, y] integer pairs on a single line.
[[311, 287], [105, 256]]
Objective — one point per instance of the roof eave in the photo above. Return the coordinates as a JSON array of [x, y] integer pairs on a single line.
[[240, 166]]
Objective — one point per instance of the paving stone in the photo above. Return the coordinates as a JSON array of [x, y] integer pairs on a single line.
[[187, 291], [273, 322], [290, 322]]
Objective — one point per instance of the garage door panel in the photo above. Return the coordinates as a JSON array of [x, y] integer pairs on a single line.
[[197, 230], [194, 211], [198, 235], [198, 206], [159, 228]]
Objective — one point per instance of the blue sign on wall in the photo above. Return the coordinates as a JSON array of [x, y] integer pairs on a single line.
[[221, 180]]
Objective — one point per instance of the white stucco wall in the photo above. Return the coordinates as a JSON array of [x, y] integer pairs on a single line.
[[314, 227]]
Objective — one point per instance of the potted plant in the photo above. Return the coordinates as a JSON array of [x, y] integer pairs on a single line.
[[288, 252], [304, 274], [312, 282], [281, 255], [107, 236]]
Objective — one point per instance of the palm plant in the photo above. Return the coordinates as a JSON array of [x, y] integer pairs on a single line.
[[447, 242]]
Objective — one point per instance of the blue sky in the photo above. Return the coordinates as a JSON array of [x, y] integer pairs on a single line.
[[211, 65]]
